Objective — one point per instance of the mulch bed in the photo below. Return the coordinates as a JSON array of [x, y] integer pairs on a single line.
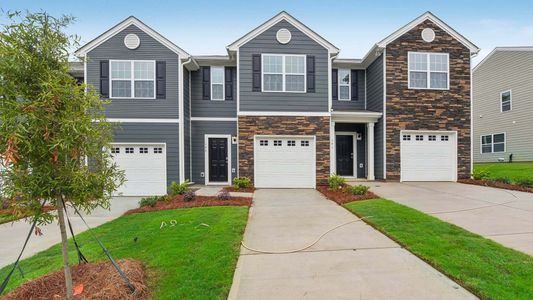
[[243, 190], [100, 281], [497, 184], [342, 196], [199, 201]]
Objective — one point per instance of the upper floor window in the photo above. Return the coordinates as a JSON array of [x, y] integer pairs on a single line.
[[132, 79], [283, 73], [344, 84], [217, 83], [506, 99], [428, 70], [493, 143]]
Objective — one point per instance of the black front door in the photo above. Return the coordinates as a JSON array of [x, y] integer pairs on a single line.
[[218, 160], [345, 155]]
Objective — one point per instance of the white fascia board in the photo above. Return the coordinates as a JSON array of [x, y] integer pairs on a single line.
[[284, 113]]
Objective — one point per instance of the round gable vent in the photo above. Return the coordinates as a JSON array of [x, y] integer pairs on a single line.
[[428, 35], [132, 41], [283, 36]]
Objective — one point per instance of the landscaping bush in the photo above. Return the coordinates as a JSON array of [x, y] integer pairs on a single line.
[[335, 182], [503, 179], [359, 189], [4, 203], [480, 174], [189, 196], [223, 195], [242, 182], [525, 182], [149, 201], [179, 189]]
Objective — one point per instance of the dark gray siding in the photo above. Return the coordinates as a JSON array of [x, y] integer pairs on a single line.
[[273, 101], [187, 123], [149, 49], [208, 108], [361, 145], [199, 130], [153, 133], [353, 104], [374, 94]]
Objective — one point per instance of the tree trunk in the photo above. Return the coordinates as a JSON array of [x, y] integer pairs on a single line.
[[64, 244]]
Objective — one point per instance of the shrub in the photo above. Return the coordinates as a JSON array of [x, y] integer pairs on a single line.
[[149, 201], [504, 179], [525, 182], [242, 182], [189, 196], [359, 189], [480, 174], [179, 189], [223, 195], [335, 182], [4, 203]]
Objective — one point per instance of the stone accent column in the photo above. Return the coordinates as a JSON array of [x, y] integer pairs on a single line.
[[370, 150]]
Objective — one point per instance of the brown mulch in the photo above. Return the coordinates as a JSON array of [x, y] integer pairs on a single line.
[[242, 190], [198, 201], [100, 281], [497, 184], [342, 196]]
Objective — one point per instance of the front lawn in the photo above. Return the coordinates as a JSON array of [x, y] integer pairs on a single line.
[[486, 268], [514, 171], [192, 255]]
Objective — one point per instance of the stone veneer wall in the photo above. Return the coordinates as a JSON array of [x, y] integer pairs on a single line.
[[249, 126], [409, 109]]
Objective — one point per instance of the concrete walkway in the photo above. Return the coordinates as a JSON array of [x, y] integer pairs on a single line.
[[501, 215], [13, 235], [353, 262]]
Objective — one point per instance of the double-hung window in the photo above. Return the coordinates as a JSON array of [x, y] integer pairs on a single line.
[[132, 79], [217, 83], [344, 84], [428, 70], [506, 99], [283, 73], [493, 143]]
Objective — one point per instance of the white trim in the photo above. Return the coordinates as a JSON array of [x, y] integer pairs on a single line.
[[123, 25], [181, 108], [492, 143], [498, 49], [284, 113], [131, 79], [206, 157], [349, 84], [510, 100], [215, 119], [134, 120], [139, 143], [283, 73], [428, 70], [223, 82], [355, 117], [354, 153], [274, 20]]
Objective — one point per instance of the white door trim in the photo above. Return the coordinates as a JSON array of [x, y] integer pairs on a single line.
[[206, 157], [354, 135]]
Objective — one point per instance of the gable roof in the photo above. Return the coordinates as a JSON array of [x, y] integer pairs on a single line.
[[429, 16], [294, 22], [503, 49], [124, 24]]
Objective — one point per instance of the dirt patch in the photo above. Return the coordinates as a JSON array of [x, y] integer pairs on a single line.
[[199, 201], [100, 281], [242, 190], [343, 196], [497, 184]]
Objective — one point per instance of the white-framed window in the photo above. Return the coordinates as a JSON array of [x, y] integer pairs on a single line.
[[158, 150], [129, 150], [217, 83], [115, 150], [304, 143], [277, 143], [283, 73], [132, 79], [428, 70], [506, 98], [291, 143], [444, 138], [143, 150], [263, 143], [344, 84], [493, 143], [406, 137]]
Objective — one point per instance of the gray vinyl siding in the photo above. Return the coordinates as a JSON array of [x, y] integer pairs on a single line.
[[149, 49], [374, 94], [209, 108], [187, 124], [199, 130], [360, 145], [353, 105], [153, 133], [504, 70], [280, 101]]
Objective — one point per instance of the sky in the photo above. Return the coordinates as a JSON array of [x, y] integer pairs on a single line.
[[207, 27]]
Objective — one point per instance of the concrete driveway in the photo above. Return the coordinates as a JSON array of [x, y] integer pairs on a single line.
[[12, 235], [501, 215], [353, 262]]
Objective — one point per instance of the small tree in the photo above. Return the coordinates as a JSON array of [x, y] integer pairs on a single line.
[[50, 126]]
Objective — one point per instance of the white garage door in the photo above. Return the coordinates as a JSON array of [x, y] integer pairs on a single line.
[[428, 156], [145, 167], [284, 162]]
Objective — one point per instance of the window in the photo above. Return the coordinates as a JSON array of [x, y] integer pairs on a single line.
[[291, 143], [493, 143], [432, 137], [406, 137], [115, 150], [428, 70], [419, 137], [283, 73], [444, 138], [217, 83], [132, 79], [158, 150], [304, 143], [277, 143], [143, 150], [344, 84], [506, 98], [129, 150], [263, 143]]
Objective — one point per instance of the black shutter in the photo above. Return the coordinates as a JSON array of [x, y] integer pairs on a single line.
[[206, 83], [104, 78], [334, 84], [355, 85], [161, 79], [228, 80], [310, 74], [256, 72]]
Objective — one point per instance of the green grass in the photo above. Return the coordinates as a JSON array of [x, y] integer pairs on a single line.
[[488, 269], [186, 261], [515, 171]]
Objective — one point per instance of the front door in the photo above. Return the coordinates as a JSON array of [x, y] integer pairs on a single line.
[[218, 160], [345, 155]]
